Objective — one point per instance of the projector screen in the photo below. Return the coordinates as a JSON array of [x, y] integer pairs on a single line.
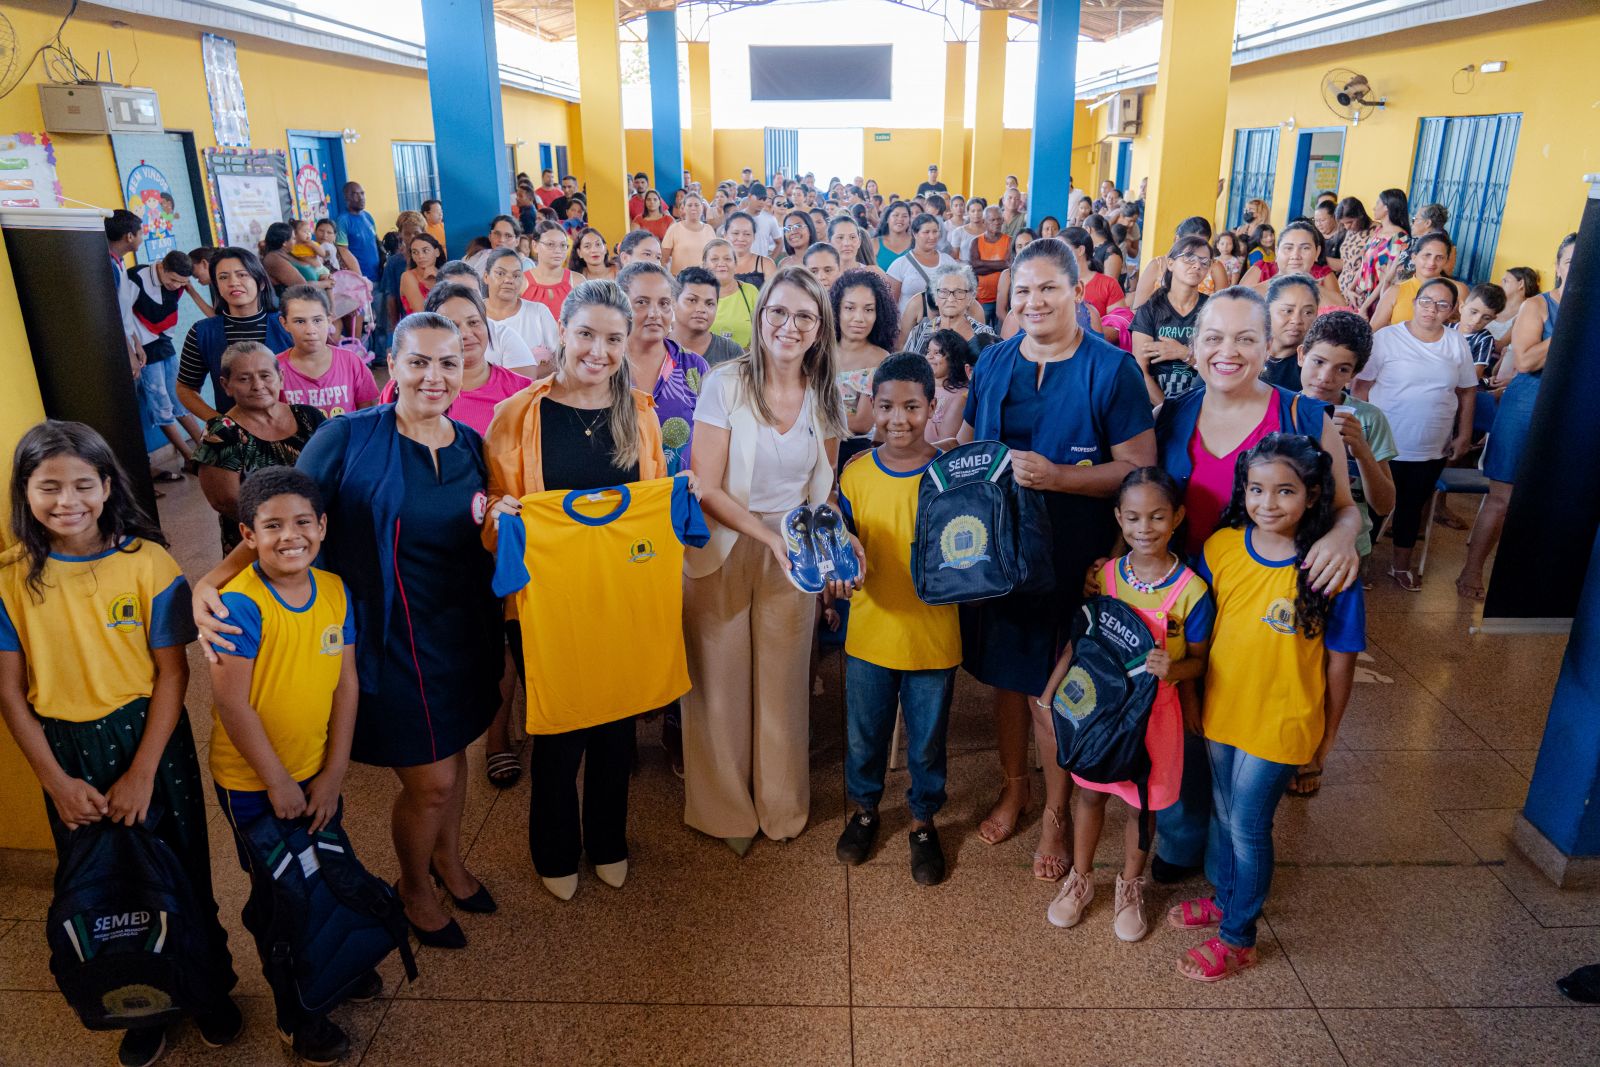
[[823, 72]]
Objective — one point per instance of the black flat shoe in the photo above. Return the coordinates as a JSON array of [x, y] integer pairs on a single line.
[[927, 857], [1170, 873], [479, 903]]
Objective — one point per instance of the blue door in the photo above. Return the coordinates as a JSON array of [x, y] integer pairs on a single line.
[[1318, 155], [547, 160], [1255, 168], [316, 170], [1464, 163], [1124, 165], [561, 161]]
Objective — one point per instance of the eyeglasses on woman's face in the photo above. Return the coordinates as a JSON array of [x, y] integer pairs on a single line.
[[943, 293], [1190, 259], [1428, 303], [776, 317]]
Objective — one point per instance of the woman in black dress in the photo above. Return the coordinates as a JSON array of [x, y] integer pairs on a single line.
[[405, 489]]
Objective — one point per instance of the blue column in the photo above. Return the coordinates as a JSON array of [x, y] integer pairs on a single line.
[[468, 134], [1055, 92], [665, 117]]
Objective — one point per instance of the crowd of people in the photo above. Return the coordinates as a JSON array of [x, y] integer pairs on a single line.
[[1220, 430]]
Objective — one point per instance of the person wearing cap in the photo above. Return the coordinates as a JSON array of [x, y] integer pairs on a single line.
[[933, 184]]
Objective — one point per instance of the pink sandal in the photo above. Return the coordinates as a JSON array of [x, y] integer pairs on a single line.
[[1194, 914], [1216, 960]]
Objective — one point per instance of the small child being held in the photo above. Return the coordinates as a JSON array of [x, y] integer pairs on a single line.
[[94, 617], [1278, 677], [898, 651], [286, 694], [1175, 603]]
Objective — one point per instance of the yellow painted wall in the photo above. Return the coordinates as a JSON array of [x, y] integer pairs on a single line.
[[901, 163], [22, 823], [285, 88], [1550, 78], [735, 149]]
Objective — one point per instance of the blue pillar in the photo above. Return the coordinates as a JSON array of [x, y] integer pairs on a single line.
[[1054, 95], [468, 135], [667, 133]]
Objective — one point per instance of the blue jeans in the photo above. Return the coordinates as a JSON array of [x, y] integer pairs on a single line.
[[1246, 791], [1188, 831], [871, 693]]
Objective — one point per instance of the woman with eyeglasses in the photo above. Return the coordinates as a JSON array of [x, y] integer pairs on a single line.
[[1422, 376], [550, 280], [508, 312], [953, 287], [799, 234], [767, 428], [1163, 326]]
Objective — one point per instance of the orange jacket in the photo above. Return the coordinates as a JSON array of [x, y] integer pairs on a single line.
[[512, 452]]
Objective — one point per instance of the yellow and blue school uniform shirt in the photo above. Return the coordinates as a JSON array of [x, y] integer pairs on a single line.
[[87, 642], [889, 625], [298, 653], [1265, 680], [598, 583], [1193, 614]]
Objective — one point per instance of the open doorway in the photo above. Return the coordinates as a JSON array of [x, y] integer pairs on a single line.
[[831, 152]]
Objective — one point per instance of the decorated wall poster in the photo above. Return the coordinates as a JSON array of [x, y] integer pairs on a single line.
[[149, 195], [28, 171], [269, 166], [229, 119], [313, 198], [250, 204]]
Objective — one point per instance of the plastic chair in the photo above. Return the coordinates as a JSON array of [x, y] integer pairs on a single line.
[[1468, 480]]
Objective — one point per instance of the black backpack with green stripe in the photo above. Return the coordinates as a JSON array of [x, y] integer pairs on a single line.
[[127, 937], [320, 919]]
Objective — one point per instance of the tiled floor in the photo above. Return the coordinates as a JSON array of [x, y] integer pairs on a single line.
[[1402, 928]]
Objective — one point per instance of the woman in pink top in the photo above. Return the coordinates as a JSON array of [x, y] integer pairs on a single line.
[[1199, 438], [332, 380], [550, 281], [483, 385]]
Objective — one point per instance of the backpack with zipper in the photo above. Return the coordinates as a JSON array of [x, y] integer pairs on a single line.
[[979, 534], [321, 921], [128, 942]]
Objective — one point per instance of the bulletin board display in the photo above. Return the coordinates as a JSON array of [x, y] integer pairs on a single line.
[[249, 191], [230, 120], [28, 171]]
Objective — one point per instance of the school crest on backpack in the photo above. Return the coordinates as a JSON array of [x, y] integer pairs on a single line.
[[979, 534]]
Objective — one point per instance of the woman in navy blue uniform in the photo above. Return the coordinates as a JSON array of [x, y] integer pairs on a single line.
[[405, 487], [1074, 411]]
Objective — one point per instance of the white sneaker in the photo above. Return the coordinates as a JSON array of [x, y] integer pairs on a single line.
[[1128, 914], [1076, 893]]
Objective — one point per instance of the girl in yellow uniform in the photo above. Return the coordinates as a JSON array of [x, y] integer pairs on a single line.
[[1282, 660], [94, 617]]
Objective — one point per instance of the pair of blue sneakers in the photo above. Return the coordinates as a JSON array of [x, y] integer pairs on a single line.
[[819, 548]]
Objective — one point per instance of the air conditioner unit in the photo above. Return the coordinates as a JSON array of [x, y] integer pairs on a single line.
[[1122, 114], [99, 108]]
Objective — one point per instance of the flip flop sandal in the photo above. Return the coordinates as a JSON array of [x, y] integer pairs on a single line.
[[1469, 591], [1216, 961], [504, 770], [805, 570], [1047, 866], [1004, 830], [835, 556], [1194, 914], [1295, 789], [1405, 580]]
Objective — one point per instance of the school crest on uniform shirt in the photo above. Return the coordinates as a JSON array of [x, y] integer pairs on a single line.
[[123, 614], [332, 642], [963, 543], [480, 507], [1280, 615], [641, 550]]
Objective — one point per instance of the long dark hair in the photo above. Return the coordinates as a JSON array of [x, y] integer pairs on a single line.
[[811, 232], [886, 318], [1352, 208], [1393, 207], [575, 261], [883, 223], [958, 357], [121, 519], [1314, 468], [266, 292]]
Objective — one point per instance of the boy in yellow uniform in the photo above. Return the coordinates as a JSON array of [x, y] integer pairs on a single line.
[[286, 694], [898, 649]]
